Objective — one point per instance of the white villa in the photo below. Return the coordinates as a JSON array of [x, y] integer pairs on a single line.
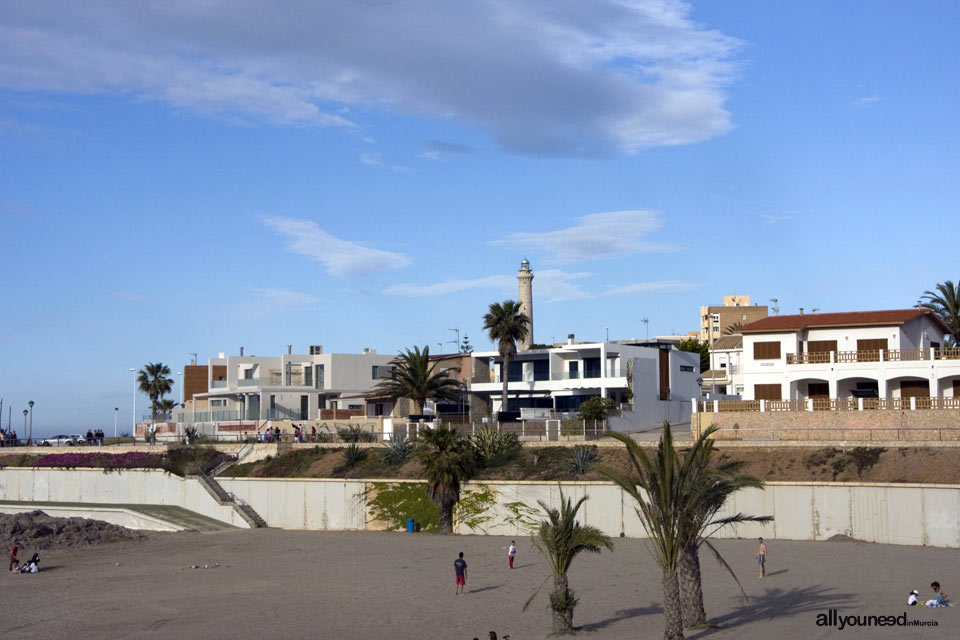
[[856, 355], [649, 384], [725, 376]]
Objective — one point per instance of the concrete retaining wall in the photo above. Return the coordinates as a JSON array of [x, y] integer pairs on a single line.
[[122, 517], [885, 513], [131, 486]]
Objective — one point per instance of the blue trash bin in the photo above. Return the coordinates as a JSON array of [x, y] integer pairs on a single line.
[[411, 525]]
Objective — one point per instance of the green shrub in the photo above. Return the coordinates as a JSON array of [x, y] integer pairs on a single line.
[[392, 504], [596, 408], [583, 457], [398, 450], [353, 433], [354, 455], [494, 447]]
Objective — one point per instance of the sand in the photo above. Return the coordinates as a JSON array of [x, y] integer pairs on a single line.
[[290, 584]]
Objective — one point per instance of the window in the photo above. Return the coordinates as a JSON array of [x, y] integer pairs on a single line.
[[766, 391], [766, 351], [515, 371], [591, 367], [375, 372], [686, 367], [541, 369], [319, 369], [574, 369], [218, 403]]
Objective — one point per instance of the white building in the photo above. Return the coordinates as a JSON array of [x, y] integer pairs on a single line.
[[725, 376], [650, 384], [288, 387], [885, 354]]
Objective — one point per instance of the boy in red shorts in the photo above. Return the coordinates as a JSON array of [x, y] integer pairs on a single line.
[[460, 566]]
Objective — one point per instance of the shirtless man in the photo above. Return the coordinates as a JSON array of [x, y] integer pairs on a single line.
[[762, 558]]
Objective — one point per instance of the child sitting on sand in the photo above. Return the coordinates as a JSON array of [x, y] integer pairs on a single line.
[[912, 598], [941, 598]]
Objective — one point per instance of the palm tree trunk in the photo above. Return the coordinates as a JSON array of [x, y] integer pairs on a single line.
[[505, 374], [673, 619], [445, 517], [691, 593], [561, 605]]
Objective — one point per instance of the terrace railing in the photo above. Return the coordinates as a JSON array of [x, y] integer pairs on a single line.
[[873, 355], [829, 404]]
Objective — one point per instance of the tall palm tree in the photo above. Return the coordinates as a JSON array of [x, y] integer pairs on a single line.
[[945, 303], [164, 408], [153, 380], [415, 378], [707, 487], [677, 501], [507, 325], [560, 539], [448, 462]]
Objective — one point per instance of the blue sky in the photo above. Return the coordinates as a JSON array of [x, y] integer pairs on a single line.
[[190, 177]]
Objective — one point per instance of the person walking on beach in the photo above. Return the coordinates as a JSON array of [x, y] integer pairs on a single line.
[[511, 552], [13, 557], [460, 567], [762, 558]]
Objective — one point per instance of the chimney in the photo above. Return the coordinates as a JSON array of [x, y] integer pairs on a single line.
[[801, 310], [569, 338], [241, 352], [221, 354]]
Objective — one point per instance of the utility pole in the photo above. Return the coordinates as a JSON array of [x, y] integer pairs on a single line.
[[457, 331]]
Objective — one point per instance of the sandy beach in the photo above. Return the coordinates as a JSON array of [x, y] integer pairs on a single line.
[[290, 584]]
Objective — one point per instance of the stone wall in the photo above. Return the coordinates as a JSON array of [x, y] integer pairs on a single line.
[[872, 425]]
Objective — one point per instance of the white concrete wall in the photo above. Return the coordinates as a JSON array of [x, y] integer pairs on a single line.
[[121, 517], [327, 505], [132, 486]]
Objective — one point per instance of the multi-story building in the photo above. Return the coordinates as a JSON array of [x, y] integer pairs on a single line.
[[725, 376], [288, 387], [735, 311], [863, 354], [651, 384]]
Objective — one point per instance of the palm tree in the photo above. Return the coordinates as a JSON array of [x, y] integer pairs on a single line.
[[945, 303], [733, 328], [448, 462], [707, 488], [507, 325], [153, 381], [677, 507], [560, 539], [164, 408], [415, 378]]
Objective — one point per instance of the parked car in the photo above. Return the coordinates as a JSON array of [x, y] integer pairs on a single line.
[[62, 441]]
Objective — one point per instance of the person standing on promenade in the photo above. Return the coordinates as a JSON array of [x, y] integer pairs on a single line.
[[762, 558], [512, 552], [460, 567], [13, 557]]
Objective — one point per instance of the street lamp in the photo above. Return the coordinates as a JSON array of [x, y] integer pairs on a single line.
[[30, 437], [116, 415], [24, 423], [134, 417]]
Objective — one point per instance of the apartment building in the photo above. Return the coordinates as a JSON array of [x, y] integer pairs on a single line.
[[649, 384], [287, 387], [863, 354], [725, 376], [735, 311]]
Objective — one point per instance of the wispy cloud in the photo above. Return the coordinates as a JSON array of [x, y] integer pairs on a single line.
[[769, 218], [867, 101], [598, 235], [499, 282], [440, 150], [340, 257], [552, 77], [283, 299], [645, 288], [374, 159]]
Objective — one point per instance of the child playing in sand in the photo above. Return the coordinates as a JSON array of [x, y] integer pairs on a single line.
[[912, 598], [941, 596], [512, 551]]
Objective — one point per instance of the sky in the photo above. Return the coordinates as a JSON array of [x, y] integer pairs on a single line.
[[186, 177]]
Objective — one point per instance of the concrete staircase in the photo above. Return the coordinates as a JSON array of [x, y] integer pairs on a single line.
[[219, 494]]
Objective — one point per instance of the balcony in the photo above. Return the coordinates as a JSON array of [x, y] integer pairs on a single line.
[[873, 355], [218, 384], [248, 382]]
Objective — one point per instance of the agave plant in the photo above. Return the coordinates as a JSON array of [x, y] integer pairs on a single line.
[[583, 457], [354, 455], [495, 447], [398, 450]]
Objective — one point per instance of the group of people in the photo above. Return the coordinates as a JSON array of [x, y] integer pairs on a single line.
[[940, 598], [8, 438], [95, 437], [275, 435], [31, 566]]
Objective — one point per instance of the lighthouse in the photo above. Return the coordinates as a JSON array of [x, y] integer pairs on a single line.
[[525, 278]]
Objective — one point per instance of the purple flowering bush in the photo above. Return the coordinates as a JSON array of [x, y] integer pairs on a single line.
[[181, 462]]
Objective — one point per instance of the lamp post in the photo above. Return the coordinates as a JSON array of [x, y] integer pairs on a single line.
[[30, 437], [25, 412], [116, 415], [134, 418]]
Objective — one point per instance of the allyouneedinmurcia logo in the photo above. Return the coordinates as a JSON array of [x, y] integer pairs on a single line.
[[833, 618]]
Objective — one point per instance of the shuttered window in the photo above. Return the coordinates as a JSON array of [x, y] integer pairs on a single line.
[[766, 350], [766, 392]]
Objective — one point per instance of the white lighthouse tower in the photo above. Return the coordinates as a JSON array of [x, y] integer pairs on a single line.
[[525, 277]]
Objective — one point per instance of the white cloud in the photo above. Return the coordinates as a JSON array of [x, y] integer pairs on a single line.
[[282, 299], [769, 218], [550, 285], [501, 282], [374, 159], [598, 235], [645, 288], [559, 77], [867, 101], [340, 257]]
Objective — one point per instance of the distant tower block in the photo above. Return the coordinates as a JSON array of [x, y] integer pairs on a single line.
[[525, 277]]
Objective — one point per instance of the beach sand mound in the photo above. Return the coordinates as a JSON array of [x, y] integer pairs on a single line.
[[37, 530]]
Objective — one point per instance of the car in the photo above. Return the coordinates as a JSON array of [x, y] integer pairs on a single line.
[[62, 441]]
